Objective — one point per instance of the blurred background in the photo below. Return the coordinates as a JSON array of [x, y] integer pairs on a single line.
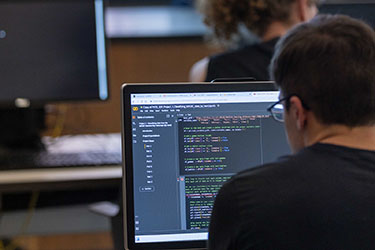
[[146, 41]]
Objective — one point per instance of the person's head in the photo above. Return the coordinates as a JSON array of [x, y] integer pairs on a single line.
[[226, 16], [326, 68]]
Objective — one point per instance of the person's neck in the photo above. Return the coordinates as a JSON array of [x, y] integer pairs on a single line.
[[274, 30], [362, 137]]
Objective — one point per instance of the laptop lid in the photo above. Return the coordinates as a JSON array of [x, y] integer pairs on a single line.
[[181, 142]]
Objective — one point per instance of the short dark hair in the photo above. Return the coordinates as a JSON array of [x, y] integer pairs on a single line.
[[329, 63]]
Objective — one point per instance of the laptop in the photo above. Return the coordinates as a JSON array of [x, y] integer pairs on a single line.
[[181, 142]]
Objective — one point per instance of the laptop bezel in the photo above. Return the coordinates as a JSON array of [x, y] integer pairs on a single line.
[[127, 152]]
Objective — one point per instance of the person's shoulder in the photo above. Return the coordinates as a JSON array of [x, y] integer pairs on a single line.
[[282, 162], [198, 71], [285, 166], [235, 53], [249, 55], [308, 160], [248, 49]]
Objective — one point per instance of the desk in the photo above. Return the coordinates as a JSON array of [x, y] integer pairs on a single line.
[[46, 178], [74, 177], [57, 219], [61, 209]]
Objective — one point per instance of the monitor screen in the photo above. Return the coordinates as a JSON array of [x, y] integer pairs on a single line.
[[52, 50], [184, 146]]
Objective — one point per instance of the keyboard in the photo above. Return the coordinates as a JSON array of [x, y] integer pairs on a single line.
[[68, 151]]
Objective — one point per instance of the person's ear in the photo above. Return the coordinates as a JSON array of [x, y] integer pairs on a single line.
[[302, 10], [298, 112]]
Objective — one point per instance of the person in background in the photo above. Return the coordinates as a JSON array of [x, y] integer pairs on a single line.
[[234, 24], [322, 196]]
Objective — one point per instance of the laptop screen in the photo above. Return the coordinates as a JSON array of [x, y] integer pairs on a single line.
[[184, 146]]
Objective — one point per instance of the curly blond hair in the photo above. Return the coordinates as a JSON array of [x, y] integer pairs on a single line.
[[225, 16]]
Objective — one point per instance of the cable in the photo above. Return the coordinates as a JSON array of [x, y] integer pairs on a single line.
[[31, 209], [1, 207], [1, 215], [58, 126], [60, 121], [32, 205]]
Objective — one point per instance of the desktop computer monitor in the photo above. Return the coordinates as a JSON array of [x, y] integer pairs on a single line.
[[51, 50], [181, 142]]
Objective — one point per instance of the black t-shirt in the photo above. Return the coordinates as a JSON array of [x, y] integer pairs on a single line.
[[248, 61], [321, 198]]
